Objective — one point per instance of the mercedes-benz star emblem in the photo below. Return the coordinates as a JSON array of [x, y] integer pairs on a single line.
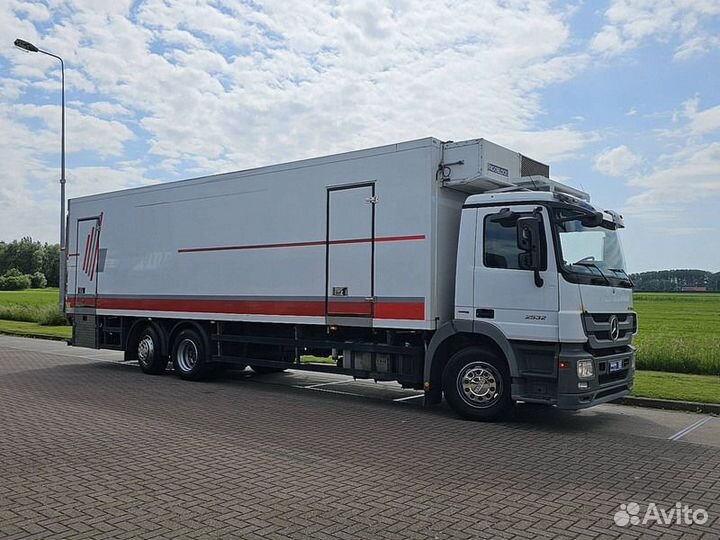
[[614, 328]]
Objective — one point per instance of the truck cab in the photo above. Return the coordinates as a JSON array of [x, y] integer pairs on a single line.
[[543, 274]]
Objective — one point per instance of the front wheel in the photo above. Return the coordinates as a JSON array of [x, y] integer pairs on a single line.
[[189, 355], [476, 384]]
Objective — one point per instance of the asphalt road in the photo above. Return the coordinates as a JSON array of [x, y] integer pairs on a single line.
[[92, 448]]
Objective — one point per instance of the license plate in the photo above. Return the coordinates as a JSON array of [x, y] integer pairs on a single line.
[[615, 365]]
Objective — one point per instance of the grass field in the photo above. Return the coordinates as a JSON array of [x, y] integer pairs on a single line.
[[31, 297], [679, 332], [677, 386], [33, 305]]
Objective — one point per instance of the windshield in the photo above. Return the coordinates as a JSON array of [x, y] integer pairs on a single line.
[[595, 252]]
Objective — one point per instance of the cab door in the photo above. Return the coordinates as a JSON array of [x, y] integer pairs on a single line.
[[505, 294]]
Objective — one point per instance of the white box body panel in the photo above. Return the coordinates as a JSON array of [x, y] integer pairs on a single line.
[[258, 245], [252, 245]]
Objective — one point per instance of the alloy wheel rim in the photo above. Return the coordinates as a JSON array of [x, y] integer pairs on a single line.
[[480, 385], [187, 355], [146, 350]]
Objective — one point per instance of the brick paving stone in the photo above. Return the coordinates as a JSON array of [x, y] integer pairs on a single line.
[[98, 450]]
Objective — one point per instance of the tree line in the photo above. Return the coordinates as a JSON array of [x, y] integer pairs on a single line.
[[677, 281], [26, 263]]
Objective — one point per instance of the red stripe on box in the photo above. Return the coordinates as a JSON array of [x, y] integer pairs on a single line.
[[306, 308], [305, 244]]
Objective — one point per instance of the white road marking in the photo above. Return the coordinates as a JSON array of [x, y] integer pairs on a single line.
[[329, 391], [408, 397], [689, 429], [324, 384]]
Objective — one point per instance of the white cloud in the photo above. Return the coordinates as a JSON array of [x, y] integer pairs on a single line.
[[83, 132], [89, 180], [703, 122], [609, 41], [27, 205], [683, 178], [696, 46], [550, 146], [104, 108], [618, 161], [690, 123], [630, 22], [687, 174], [211, 87], [33, 11]]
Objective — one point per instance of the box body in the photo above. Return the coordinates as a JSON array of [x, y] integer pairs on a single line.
[[365, 238], [254, 245]]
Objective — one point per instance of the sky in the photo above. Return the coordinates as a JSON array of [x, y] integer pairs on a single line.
[[620, 97]]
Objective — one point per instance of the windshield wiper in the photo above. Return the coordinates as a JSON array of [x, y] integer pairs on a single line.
[[627, 276], [585, 262]]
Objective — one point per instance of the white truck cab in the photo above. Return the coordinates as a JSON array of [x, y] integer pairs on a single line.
[[546, 270]]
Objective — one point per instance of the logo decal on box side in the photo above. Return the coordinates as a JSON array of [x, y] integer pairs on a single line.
[[502, 171]]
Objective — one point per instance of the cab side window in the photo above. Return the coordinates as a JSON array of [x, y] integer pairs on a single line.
[[500, 245], [500, 248]]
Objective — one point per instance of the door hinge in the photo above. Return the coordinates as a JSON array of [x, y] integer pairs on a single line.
[[372, 200], [371, 299]]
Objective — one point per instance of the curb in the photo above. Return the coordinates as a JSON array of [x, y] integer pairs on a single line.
[[669, 404], [32, 336]]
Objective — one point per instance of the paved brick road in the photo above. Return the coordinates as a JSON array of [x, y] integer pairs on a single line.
[[95, 450]]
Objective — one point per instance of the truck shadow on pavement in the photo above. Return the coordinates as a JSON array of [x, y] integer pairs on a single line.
[[121, 385], [525, 416]]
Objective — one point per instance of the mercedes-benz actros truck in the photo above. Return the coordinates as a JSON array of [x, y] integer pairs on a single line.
[[458, 268]]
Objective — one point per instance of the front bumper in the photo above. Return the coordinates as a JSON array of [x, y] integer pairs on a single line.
[[603, 387]]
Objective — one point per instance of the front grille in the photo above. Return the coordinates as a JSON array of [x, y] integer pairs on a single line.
[[598, 326]]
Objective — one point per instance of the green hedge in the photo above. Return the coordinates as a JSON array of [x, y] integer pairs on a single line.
[[13, 280], [14, 283]]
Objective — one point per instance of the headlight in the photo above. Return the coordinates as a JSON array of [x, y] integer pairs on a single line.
[[585, 369]]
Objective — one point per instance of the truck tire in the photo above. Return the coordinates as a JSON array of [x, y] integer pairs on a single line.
[[476, 384], [189, 355], [148, 351], [263, 370]]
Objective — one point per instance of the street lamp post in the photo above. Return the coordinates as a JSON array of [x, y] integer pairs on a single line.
[[29, 47]]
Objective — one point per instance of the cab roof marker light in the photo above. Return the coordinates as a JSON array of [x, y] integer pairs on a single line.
[[616, 218]]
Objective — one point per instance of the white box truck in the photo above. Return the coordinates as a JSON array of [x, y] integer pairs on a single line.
[[459, 268]]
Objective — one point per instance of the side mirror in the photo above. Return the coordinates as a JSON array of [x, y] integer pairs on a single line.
[[529, 242], [592, 220]]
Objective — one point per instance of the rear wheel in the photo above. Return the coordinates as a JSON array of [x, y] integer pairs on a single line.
[[148, 352], [476, 384], [189, 355]]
